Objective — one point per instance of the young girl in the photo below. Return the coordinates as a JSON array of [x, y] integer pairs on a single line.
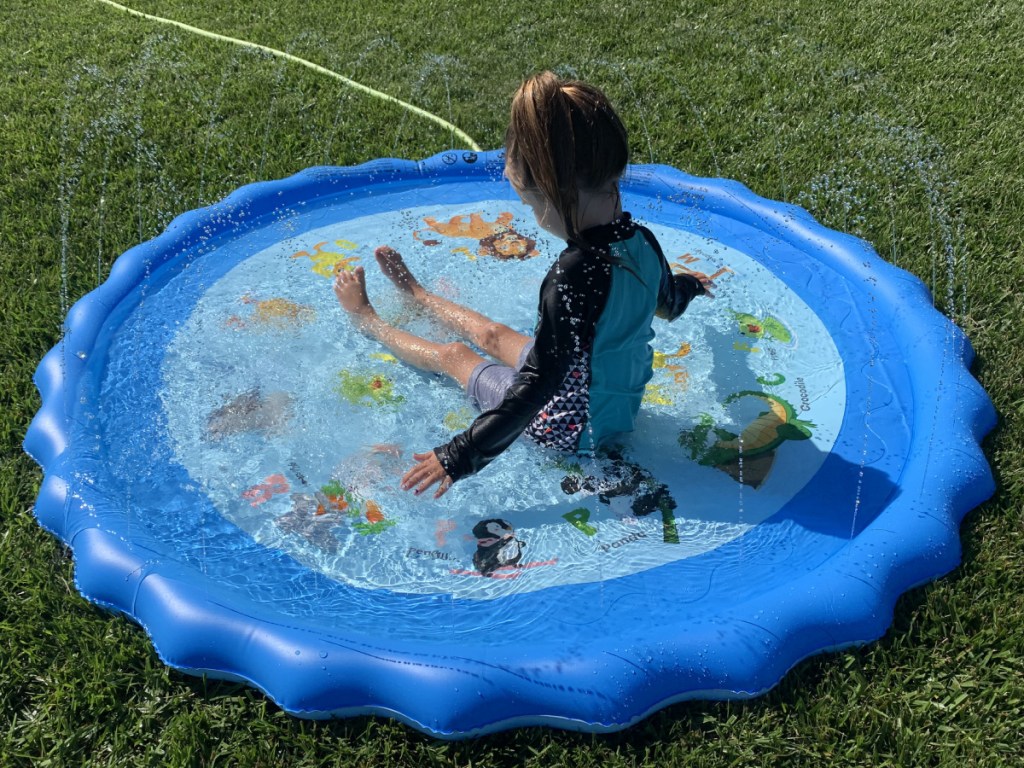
[[581, 378]]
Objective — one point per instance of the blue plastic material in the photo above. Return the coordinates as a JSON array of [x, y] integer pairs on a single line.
[[878, 515]]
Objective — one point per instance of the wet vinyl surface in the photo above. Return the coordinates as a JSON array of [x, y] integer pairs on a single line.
[[276, 416]]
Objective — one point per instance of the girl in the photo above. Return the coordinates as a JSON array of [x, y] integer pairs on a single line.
[[581, 378]]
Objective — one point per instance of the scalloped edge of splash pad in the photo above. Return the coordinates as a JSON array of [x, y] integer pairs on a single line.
[[456, 689]]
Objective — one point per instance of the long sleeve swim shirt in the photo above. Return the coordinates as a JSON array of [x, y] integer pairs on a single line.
[[584, 379]]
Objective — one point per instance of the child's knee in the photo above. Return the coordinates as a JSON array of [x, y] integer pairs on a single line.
[[455, 354], [491, 335]]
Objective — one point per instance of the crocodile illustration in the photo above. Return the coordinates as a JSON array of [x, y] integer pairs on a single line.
[[748, 456]]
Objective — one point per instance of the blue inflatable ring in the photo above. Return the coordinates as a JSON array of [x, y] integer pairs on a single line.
[[220, 447]]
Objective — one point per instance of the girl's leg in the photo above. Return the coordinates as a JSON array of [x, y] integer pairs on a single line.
[[455, 359], [497, 340]]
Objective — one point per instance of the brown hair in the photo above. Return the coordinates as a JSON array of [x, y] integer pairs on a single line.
[[563, 136]]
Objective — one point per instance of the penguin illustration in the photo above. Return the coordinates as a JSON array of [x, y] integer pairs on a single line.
[[496, 546]]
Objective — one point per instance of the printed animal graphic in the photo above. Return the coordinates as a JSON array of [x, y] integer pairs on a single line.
[[263, 492], [309, 519], [276, 313], [367, 389], [250, 412], [753, 328], [496, 546], [661, 359], [314, 516], [656, 394], [326, 262], [496, 238], [755, 446], [662, 393], [458, 420]]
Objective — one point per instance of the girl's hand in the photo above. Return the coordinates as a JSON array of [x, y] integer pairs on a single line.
[[708, 284], [708, 281], [424, 474]]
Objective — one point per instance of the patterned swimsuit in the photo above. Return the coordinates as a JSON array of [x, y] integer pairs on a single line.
[[585, 376]]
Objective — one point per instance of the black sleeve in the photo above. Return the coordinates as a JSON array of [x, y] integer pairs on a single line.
[[675, 292], [572, 298]]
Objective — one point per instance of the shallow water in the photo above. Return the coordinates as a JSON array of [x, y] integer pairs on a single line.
[[269, 406]]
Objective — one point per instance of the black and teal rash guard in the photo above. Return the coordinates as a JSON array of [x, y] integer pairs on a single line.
[[585, 376]]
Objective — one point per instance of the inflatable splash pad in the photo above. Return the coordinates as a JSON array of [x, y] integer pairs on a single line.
[[222, 451]]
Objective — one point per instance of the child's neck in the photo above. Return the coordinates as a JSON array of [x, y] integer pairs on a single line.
[[597, 208]]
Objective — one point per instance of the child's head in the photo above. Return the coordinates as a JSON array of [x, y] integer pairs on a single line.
[[563, 138]]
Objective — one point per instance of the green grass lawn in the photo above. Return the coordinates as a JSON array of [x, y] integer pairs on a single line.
[[897, 121]]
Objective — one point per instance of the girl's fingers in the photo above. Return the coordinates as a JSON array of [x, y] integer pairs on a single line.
[[427, 482], [425, 474], [410, 478]]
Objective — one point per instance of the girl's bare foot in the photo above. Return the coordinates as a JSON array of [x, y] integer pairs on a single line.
[[392, 265], [350, 288]]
